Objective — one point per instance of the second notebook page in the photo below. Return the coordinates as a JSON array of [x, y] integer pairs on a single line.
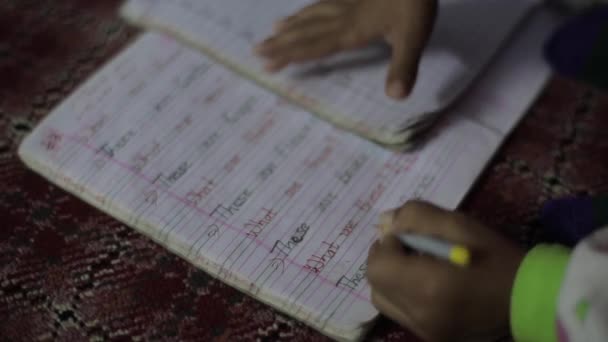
[[347, 89]]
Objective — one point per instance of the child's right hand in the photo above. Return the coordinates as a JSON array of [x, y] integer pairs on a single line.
[[435, 299], [330, 26]]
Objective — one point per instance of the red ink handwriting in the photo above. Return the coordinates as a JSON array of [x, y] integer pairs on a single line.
[[51, 140], [232, 163], [256, 226], [316, 263]]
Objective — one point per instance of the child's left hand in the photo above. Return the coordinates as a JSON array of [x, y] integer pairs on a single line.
[[435, 299], [331, 26]]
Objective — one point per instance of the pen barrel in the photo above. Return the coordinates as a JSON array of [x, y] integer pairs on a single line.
[[427, 245]]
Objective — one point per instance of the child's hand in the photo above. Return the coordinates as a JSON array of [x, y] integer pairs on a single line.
[[330, 26], [435, 299]]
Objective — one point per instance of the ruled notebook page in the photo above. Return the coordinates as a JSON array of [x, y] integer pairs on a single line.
[[270, 199], [346, 89]]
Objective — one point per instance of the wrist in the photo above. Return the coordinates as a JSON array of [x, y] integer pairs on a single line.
[[535, 293]]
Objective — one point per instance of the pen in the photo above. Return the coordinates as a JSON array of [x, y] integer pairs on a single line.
[[456, 254]]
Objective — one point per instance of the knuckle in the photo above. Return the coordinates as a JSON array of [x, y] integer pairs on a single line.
[[352, 36], [373, 252], [373, 275], [377, 276], [413, 210], [451, 221], [419, 205], [433, 289]]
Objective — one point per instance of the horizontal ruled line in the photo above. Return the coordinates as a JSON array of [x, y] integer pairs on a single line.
[[205, 213]]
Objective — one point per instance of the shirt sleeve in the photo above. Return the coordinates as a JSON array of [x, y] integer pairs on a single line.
[[582, 312], [534, 298], [561, 295]]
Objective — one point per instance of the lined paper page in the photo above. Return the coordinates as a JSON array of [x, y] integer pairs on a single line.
[[263, 195], [346, 89]]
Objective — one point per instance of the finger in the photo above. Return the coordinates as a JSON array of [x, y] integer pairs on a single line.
[[390, 309], [276, 65], [391, 268], [313, 50], [321, 9], [400, 314], [408, 39], [297, 37], [403, 71], [318, 49], [385, 222], [427, 219], [356, 37]]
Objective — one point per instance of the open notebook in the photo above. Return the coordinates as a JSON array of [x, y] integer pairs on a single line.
[[347, 89], [265, 196]]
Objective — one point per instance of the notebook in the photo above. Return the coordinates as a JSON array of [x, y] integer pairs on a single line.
[[347, 89], [258, 192]]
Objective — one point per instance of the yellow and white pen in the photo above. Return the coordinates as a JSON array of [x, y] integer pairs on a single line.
[[454, 253]]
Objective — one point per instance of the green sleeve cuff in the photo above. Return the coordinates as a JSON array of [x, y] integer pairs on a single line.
[[535, 294]]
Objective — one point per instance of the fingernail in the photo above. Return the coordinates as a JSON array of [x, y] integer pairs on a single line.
[[264, 43], [385, 222], [259, 48], [396, 90], [380, 232], [273, 66], [278, 26]]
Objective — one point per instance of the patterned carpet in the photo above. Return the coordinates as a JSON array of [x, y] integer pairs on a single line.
[[70, 273]]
